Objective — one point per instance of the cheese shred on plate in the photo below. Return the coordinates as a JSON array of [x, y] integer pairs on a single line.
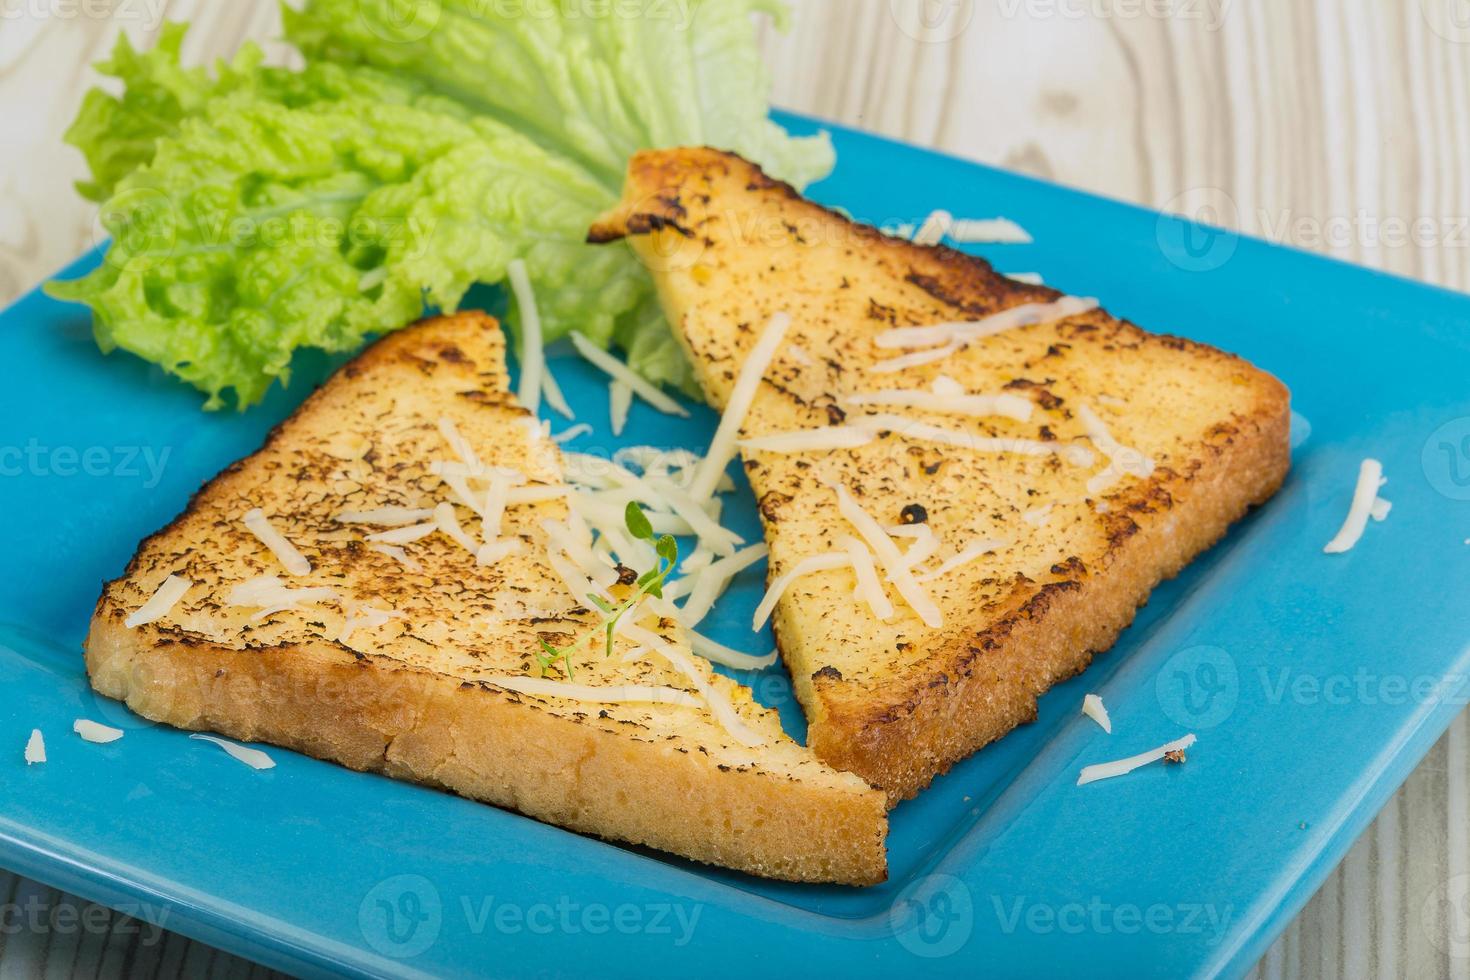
[[533, 352], [724, 445], [254, 758], [164, 598], [619, 371], [91, 731], [1092, 707], [718, 653], [1108, 770], [291, 559], [889, 557], [1365, 495], [35, 748]]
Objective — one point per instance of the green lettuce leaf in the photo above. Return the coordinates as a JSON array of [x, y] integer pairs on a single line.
[[256, 210]]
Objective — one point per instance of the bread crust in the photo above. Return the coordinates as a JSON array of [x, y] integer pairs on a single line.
[[729, 246], [782, 816]]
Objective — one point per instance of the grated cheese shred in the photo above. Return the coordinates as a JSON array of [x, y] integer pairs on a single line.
[[1109, 770], [291, 559], [1370, 480], [164, 598], [723, 447]]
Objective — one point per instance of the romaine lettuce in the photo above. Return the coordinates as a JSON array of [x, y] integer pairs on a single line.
[[258, 210]]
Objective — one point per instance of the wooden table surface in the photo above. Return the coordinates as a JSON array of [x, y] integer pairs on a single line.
[[1341, 126]]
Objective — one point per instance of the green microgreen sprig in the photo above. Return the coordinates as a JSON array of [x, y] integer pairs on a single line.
[[650, 583]]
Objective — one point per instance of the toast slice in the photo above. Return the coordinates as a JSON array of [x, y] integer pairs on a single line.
[[422, 695], [1200, 436]]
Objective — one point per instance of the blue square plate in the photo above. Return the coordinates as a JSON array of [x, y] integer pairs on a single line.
[[1315, 683]]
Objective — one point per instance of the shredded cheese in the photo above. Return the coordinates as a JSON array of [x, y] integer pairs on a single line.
[[91, 731], [271, 595], [539, 493], [398, 555], [869, 588], [619, 371], [926, 542], [493, 552], [580, 429], [291, 559], [404, 535], [720, 654], [386, 516], [916, 359], [1370, 480], [619, 404], [988, 231], [164, 598], [807, 566], [924, 432], [613, 694], [579, 550], [823, 439], [1029, 278], [366, 618], [946, 399], [1039, 516], [713, 580], [551, 391], [460, 445], [1092, 707], [1122, 460], [889, 557], [1381, 509], [934, 228], [1107, 770], [967, 332], [445, 520], [254, 758], [35, 748], [533, 353], [723, 446], [974, 551], [719, 705]]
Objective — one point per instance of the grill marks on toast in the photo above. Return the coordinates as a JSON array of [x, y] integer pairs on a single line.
[[898, 702], [415, 697]]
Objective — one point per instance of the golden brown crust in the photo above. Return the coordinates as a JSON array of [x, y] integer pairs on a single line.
[[898, 705], [414, 697]]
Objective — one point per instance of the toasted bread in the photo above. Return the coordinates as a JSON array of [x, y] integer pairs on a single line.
[[416, 696], [897, 701]]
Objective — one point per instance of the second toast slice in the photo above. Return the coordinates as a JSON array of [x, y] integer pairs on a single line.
[[1057, 464]]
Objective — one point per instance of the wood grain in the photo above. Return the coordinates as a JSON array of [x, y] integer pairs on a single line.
[[1340, 126]]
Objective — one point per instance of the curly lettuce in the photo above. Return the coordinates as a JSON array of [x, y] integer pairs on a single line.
[[257, 210]]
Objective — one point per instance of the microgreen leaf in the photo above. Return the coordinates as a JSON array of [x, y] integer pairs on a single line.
[[637, 521]]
